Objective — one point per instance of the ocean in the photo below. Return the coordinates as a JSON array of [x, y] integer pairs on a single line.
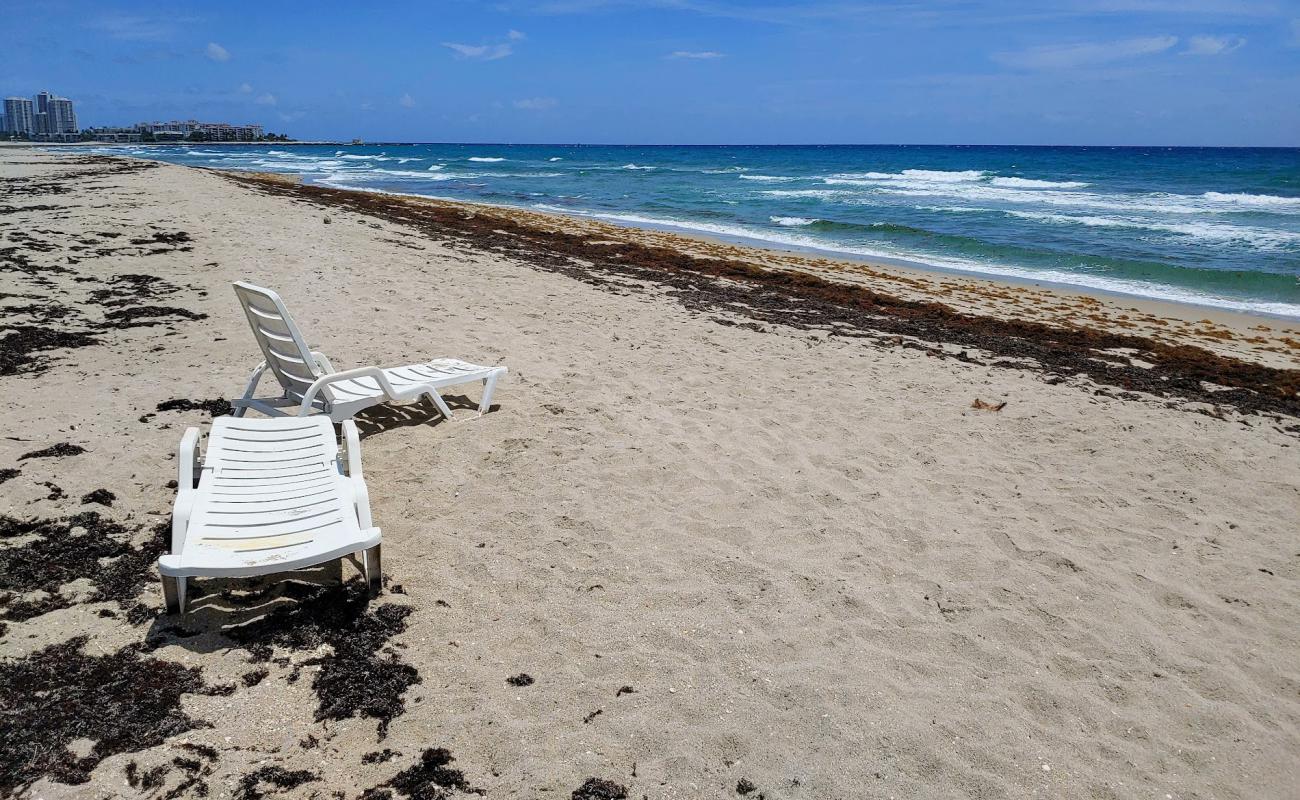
[[1211, 226]]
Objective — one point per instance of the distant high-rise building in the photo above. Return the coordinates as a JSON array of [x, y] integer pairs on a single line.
[[19, 116], [59, 116]]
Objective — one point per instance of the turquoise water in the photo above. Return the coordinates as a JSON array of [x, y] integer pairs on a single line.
[[1218, 227]]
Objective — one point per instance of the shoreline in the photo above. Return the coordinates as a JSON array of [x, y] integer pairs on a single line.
[[1276, 336]]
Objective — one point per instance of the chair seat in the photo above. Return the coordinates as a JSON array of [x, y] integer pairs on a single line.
[[435, 374], [270, 498]]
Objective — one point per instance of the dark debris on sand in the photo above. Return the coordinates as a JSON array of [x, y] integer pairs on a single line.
[[522, 679], [599, 789], [217, 408], [101, 496], [9, 474], [73, 547], [433, 778], [250, 786], [719, 286], [355, 679], [62, 450], [122, 701]]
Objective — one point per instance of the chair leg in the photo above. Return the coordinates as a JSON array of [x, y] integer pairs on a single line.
[[174, 594], [441, 404], [489, 385], [374, 570]]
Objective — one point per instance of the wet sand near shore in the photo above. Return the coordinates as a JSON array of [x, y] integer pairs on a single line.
[[743, 524]]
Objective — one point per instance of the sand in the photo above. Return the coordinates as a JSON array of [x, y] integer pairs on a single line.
[[821, 572]]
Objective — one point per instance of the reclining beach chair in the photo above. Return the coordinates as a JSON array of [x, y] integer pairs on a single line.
[[270, 495], [311, 384]]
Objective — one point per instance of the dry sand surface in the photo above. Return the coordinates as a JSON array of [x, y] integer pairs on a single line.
[[734, 555]]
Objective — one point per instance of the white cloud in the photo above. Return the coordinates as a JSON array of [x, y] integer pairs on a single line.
[[265, 99], [696, 54], [216, 52], [406, 101], [1059, 56], [515, 36], [245, 88], [536, 103], [1213, 45], [483, 52], [133, 28]]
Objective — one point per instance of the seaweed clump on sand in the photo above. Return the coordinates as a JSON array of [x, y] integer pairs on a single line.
[[354, 679], [75, 547], [250, 786], [432, 778], [218, 407], [9, 474], [599, 789], [53, 697], [22, 347], [61, 450]]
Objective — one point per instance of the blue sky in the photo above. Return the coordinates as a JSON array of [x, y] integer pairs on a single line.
[[1185, 72]]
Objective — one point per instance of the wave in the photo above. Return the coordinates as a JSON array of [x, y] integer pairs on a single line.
[[1125, 286], [354, 157], [724, 171], [793, 221], [1027, 183], [554, 158], [767, 178], [486, 159], [1265, 200], [1259, 238], [634, 166], [436, 167]]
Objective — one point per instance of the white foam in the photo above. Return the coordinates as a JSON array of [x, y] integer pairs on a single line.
[[1027, 183], [794, 222], [486, 159], [1256, 237], [1264, 200], [634, 166], [554, 158], [767, 178]]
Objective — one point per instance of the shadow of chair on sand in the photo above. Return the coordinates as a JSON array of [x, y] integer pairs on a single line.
[[222, 609], [389, 416]]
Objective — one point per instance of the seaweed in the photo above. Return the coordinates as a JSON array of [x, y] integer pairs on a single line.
[[432, 778], [599, 789], [136, 703], [62, 450], [522, 679], [101, 496], [354, 679], [250, 786], [218, 407]]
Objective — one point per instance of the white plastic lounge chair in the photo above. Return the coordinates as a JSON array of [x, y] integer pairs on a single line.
[[271, 495], [311, 384]]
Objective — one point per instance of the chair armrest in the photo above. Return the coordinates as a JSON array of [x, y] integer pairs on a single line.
[[187, 460], [185, 500], [347, 375], [351, 449], [352, 467], [323, 362]]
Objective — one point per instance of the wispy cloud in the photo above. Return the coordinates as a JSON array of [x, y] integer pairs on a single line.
[[216, 52], [487, 52], [481, 52], [701, 55], [265, 99], [133, 28], [536, 103], [1213, 45], [245, 88], [1080, 54], [406, 101]]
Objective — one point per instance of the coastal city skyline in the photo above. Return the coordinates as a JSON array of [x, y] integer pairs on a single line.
[[47, 117]]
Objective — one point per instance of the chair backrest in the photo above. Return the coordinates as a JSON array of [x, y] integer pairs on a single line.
[[286, 352]]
